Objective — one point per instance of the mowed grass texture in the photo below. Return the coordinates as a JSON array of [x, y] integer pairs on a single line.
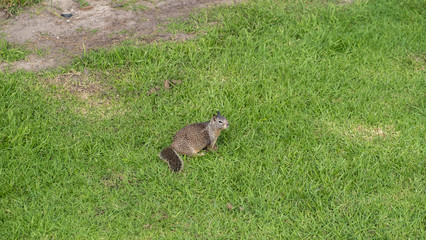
[[14, 6], [326, 140], [10, 53]]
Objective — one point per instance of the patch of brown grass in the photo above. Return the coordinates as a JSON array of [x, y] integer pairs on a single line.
[[418, 62], [363, 131], [90, 89], [115, 179], [85, 85]]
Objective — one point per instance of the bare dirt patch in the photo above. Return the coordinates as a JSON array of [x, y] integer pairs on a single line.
[[101, 24]]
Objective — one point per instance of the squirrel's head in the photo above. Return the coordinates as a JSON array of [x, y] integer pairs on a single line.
[[219, 122]]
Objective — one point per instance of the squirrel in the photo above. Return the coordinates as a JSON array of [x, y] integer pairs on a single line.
[[193, 138]]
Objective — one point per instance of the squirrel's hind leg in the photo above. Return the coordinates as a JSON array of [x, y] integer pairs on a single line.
[[212, 148], [187, 150], [195, 153], [200, 154]]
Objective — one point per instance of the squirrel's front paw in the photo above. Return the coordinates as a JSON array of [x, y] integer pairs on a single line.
[[200, 154]]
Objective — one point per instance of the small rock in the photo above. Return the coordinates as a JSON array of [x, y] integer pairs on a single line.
[[66, 15]]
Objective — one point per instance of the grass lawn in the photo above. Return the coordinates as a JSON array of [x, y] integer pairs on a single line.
[[13, 6], [326, 104], [10, 53]]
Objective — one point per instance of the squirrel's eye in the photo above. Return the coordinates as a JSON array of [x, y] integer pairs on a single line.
[[220, 121]]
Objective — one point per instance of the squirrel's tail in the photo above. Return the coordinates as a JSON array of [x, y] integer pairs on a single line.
[[172, 158]]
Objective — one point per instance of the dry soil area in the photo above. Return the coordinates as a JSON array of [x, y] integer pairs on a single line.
[[102, 23]]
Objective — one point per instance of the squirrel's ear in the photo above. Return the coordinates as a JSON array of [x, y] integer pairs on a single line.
[[218, 113]]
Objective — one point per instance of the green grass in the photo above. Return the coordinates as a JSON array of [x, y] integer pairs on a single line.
[[13, 6], [134, 5], [11, 53], [326, 105], [83, 3]]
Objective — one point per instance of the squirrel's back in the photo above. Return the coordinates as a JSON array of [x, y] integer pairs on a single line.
[[191, 139]]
